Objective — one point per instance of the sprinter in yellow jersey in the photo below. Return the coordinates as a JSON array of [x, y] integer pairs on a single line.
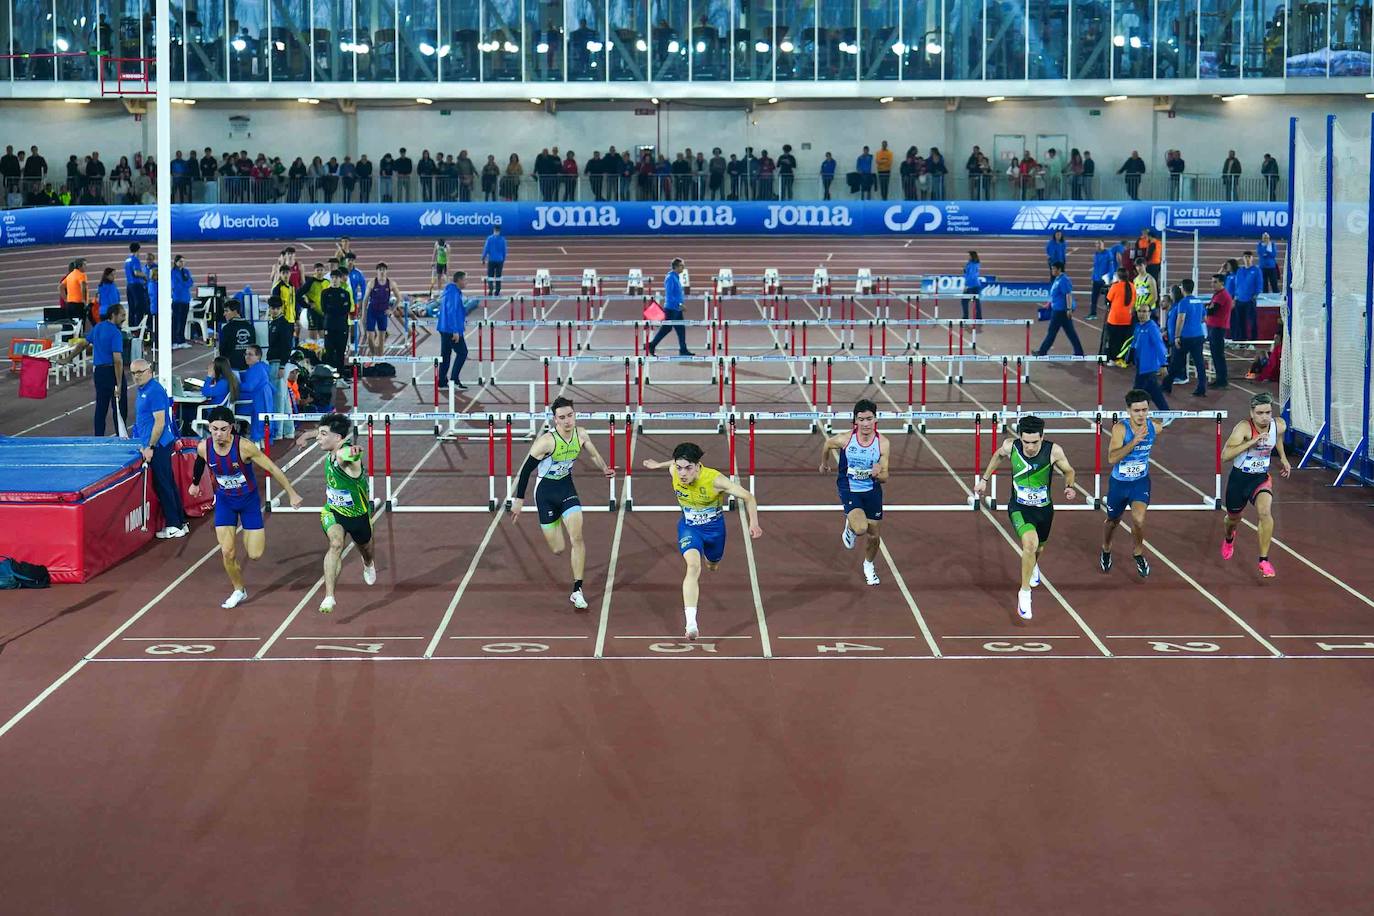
[[701, 530], [553, 455]]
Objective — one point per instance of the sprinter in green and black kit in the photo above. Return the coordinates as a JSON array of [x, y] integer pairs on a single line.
[[348, 504], [1034, 459]]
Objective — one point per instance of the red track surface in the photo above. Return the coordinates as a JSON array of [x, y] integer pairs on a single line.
[[1025, 769]]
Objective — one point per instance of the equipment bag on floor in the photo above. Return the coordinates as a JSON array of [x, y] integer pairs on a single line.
[[18, 574]]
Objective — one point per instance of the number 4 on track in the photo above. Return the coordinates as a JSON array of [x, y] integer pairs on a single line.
[[842, 647]]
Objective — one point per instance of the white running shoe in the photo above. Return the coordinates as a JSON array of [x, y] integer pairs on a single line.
[[578, 600], [848, 539], [370, 575], [1023, 604], [170, 532], [238, 597], [692, 631], [870, 573], [327, 606], [1035, 576]]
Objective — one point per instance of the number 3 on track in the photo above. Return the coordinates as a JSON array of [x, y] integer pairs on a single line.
[[1017, 647]]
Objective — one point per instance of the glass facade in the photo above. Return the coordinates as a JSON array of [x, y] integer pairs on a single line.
[[751, 41]]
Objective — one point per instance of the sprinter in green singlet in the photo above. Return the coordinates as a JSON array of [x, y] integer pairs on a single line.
[[553, 455], [348, 504], [1034, 459]]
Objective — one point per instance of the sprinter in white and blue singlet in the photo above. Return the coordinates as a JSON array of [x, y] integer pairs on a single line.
[[862, 469], [1250, 448], [1129, 485], [231, 460]]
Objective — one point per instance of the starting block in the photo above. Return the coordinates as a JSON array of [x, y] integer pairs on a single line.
[[591, 286], [725, 282], [863, 283], [543, 282], [820, 281], [686, 282], [634, 282], [771, 283]]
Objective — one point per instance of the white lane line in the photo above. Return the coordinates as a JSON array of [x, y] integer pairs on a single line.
[[610, 574], [463, 585], [754, 582], [910, 601], [190, 638]]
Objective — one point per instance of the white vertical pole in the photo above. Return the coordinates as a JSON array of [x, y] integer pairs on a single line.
[[163, 125]]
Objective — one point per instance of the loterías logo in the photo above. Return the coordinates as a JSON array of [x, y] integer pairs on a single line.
[[210, 221], [1048, 217], [111, 224], [574, 218], [930, 218], [318, 219]]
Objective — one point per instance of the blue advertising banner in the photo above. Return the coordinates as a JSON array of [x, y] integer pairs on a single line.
[[231, 222]]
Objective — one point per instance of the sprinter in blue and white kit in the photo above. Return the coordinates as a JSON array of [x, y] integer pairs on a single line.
[[1129, 455], [862, 467]]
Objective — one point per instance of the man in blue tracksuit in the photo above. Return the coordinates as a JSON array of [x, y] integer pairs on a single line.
[[1269, 263], [1056, 249], [1061, 311], [453, 325], [1249, 281], [973, 285], [1150, 356], [154, 433], [135, 286], [494, 256], [673, 299], [1104, 269], [1189, 336], [181, 301], [107, 348]]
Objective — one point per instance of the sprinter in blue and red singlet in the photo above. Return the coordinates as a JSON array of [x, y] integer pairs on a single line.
[[231, 460], [862, 467]]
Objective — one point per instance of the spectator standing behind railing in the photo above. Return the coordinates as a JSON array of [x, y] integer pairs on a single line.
[[907, 173], [735, 169], [828, 165], [1173, 161], [715, 171], [1133, 168], [386, 171], [404, 168], [936, 169], [76, 179], [467, 176], [1270, 170], [181, 179], [766, 169], [95, 179], [426, 170], [35, 169], [882, 164], [348, 177], [1269, 263], [973, 168], [1075, 171], [1089, 175], [1230, 174], [9, 173], [363, 169], [209, 174], [1054, 174], [863, 167], [787, 170], [491, 176]]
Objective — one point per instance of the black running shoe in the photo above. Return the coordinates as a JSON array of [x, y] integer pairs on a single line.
[[1105, 561], [1142, 565]]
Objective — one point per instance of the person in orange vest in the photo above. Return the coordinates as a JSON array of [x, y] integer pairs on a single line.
[[1118, 332], [76, 294]]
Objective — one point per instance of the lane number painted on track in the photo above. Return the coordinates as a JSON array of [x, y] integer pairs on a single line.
[[514, 648], [1338, 646], [1017, 647], [842, 647], [176, 648], [671, 648], [1175, 647], [366, 648]]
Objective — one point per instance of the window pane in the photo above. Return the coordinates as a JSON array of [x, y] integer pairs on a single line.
[[1264, 38], [964, 39], [1006, 40], [754, 39], [796, 39], [878, 33], [1091, 38], [838, 43], [1049, 39], [6, 70], [922, 40], [710, 47], [628, 33], [129, 41], [1220, 52], [290, 41], [1350, 38], [456, 54], [33, 34], [76, 33], [1176, 40], [586, 32], [248, 23], [375, 38], [669, 40], [333, 28], [1306, 39], [1132, 56], [544, 38], [417, 40]]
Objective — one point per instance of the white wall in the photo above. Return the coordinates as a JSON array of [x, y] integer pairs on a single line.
[[1203, 128]]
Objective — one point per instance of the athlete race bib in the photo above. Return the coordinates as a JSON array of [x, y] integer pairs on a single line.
[[861, 473], [341, 499], [1130, 470], [231, 481], [1033, 496], [700, 516]]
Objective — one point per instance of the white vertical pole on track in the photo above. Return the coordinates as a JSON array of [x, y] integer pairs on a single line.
[[163, 125]]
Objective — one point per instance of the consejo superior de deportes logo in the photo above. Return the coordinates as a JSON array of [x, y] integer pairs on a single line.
[[111, 224], [924, 218]]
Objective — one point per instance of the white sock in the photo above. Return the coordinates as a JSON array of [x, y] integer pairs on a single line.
[[691, 613]]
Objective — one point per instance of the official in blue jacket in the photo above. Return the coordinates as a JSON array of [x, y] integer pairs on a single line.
[[1104, 271], [182, 282], [1245, 314], [256, 385], [494, 256], [1056, 250], [1150, 356], [1269, 263], [453, 325], [673, 300], [973, 285]]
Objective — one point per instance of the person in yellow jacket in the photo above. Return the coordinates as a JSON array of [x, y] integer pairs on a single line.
[[882, 163]]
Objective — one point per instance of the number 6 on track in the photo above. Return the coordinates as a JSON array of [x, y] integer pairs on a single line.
[[512, 648]]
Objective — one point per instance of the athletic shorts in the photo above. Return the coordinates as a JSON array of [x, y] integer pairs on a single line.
[[376, 321], [1121, 493], [313, 319], [709, 539], [1242, 488], [231, 512], [358, 527], [871, 501], [555, 499], [1039, 519]]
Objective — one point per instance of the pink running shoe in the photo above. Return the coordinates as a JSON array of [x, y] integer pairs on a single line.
[[1228, 549], [1267, 569]]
